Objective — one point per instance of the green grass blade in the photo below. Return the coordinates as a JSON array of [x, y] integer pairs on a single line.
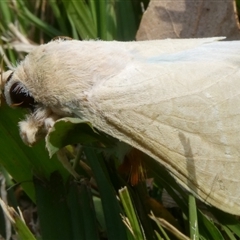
[[62, 23], [229, 233], [115, 227], [54, 215], [108, 20], [158, 236], [174, 233], [193, 219], [208, 229], [89, 216], [83, 216], [102, 17], [99, 212], [12, 56], [27, 15], [6, 13], [81, 18], [23, 232], [131, 213], [74, 30], [77, 218], [126, 23], [93, 10], [227, 220], [160, 227]]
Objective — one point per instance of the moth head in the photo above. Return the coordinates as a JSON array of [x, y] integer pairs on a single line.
[[16, 93]]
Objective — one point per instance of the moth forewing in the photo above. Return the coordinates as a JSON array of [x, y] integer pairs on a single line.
[[182, 110]]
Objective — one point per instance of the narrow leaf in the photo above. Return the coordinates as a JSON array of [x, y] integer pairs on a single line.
[[115, 227], [19, 225], [193, 220], [131, 214], [54, 215]]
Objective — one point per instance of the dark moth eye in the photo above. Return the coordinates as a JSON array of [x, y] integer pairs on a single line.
[[20, 96]]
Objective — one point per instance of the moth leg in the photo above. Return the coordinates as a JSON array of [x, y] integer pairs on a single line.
[[36, 125]]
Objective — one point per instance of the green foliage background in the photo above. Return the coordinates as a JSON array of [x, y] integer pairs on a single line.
[[95, 205]]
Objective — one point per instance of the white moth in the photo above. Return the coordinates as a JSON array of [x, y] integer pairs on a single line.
[[176, 100]]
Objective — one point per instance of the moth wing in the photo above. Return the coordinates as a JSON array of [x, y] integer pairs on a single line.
[[168, 46], [183, 110]]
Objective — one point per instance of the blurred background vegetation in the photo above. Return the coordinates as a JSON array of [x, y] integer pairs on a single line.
[[110, 192]]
